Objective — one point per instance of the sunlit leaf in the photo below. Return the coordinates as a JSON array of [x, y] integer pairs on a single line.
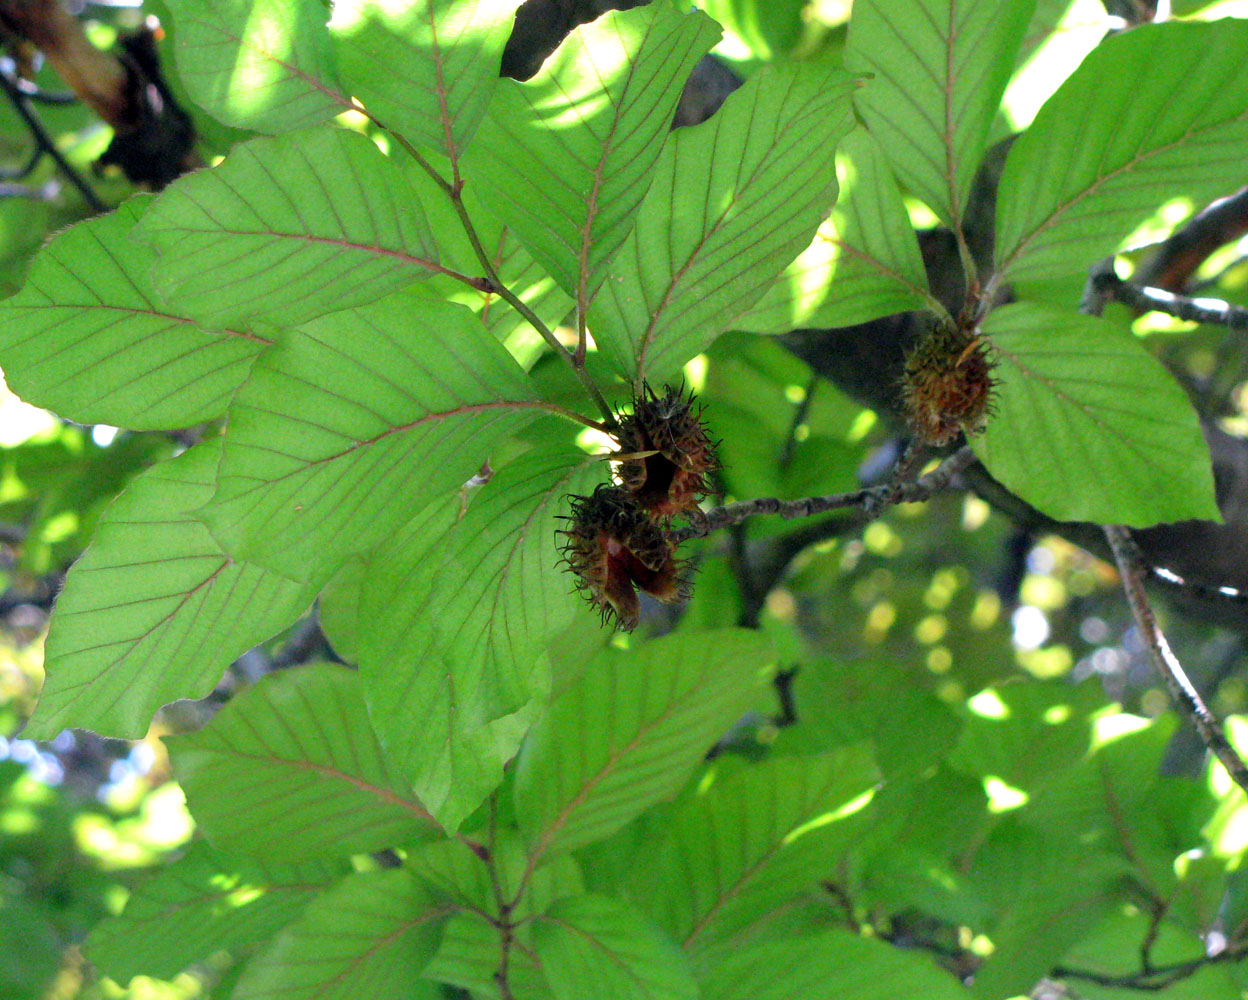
[[1077, 398], [1113, 142], [605, 941], [750, 844], [369, 936], [939, 68], [88, 338], [864, 262], [258, 64], [287, 229], [733, 202], [355, 422], [640, 723], [567, 157], [770, 28], [460, 609], [200, 904], [290, 770], [426, 70], [154, 610]]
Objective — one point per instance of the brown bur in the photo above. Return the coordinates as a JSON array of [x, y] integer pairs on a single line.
[[667, 430], [615, 549]]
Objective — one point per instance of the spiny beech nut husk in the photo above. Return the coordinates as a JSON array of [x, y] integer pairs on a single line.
[[615, 549], [670, 482], [948, 384]]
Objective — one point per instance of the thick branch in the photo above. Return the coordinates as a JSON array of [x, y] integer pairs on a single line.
[[1184, 695], [154, 139], [1106, 283], [1182, 253]]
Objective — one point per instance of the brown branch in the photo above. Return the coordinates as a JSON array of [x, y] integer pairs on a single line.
[[1107, 285], [1183, 693], [1158, 978], [154, 139], [1178, 257], [871, 500]]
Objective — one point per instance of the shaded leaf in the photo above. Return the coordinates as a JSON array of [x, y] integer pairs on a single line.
[[1042, 911], [154, 610], [468, 958], [640, 723], [1113, 141], [460, 609], [199, 904], [1078, 397], [88, 338], [752, 843], [426, 69], [566, 158], [604, 941], [833, 966], [356, 421], [288, 229], [290, 770], [258, 64], [733, 202], [864, 262], [370, 936], [454, 868], [939, 69]]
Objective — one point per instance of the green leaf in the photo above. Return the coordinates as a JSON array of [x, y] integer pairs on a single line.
[[566, 158], [427, 70], [370, 936], [264, 65], [604, 941], [460, 609], [468, 958], [1118, 799], [356, 421], [864, 262], [456, 869], [940, 68], [1077, 396], [88, 338], [640, 723], [859, 699], [1113, 141], [154, 610], [288, 229], [1028, 735], [1043, 911], [770, 28], [832, 966], [526, 278], [290, 770], [733, 202], [199, 904], [750, 844]]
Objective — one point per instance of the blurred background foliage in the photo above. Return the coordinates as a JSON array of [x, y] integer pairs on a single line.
[[891, 632]]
